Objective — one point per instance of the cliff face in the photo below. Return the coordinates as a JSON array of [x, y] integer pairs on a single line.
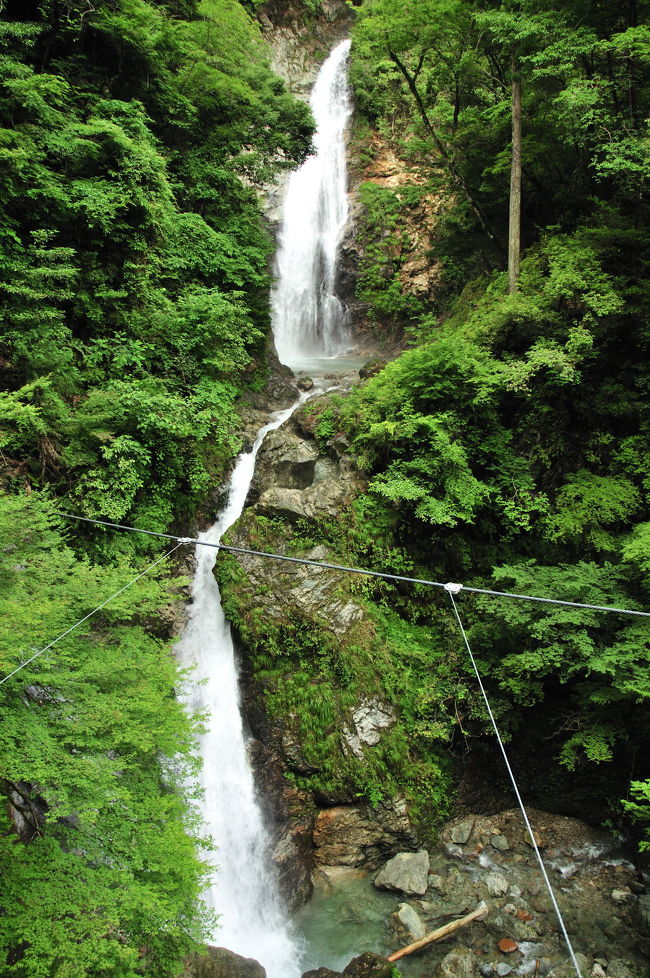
[[301, 39], [321, 721]]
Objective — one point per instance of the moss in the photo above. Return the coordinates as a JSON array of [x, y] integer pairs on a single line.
[[313, 677]]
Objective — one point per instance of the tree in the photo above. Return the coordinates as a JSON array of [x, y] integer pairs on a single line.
[[100, 873]]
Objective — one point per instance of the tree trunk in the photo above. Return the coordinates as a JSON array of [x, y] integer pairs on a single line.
[[480, 913], [514, 227]]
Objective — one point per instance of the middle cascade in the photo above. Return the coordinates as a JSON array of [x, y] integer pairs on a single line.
[[309, 320]]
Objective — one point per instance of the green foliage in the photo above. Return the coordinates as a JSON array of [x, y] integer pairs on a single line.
[[384, 247], [134, 284], [639, 807], [100, 872], [134, 265]]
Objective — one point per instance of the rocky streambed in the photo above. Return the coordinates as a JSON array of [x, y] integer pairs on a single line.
[[488, 858], [356, 918]]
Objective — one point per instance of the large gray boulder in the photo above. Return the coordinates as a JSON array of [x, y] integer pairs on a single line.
[[407, 872]]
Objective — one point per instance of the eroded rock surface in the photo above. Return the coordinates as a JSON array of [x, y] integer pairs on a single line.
[[218, 962], [360, 836]]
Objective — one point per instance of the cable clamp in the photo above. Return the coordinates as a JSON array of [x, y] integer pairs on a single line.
[[453, 588], [185, 540]]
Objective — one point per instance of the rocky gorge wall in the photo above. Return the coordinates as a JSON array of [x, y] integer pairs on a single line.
[[331, 749]]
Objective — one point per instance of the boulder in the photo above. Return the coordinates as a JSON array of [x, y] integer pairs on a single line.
[[407, 872], [617, 968], [499, 842], [369, 965], [459, 963], [322, 973], [218, 962], [460, 833], [371, 368], [408, 924]]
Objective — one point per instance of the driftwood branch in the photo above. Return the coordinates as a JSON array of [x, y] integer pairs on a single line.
[[480, 913]]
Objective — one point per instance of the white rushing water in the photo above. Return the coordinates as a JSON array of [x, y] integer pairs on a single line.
[[244, 891], [308, 319]]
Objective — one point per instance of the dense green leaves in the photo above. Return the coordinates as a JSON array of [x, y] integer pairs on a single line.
[[134, 261], [99, 868]]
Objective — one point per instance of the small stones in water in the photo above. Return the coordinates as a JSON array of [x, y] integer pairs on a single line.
[[502, 969], [460, 833], [437, 883], [499, 842], [454, 851], [506, 945], [496, 884], [539, 840]]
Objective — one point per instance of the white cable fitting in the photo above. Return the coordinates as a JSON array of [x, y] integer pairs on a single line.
[[453, 588], [185, 540]]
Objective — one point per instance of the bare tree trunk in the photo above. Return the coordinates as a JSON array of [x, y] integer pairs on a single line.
[[514, 227], [480, 913]]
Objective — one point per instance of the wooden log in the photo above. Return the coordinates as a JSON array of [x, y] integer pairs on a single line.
[[480, 913]]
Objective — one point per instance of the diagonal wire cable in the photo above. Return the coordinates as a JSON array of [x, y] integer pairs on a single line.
[[451, 588], [90, 614], [357, 570]]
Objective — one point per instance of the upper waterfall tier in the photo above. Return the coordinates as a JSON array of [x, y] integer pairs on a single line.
[[308, 319]]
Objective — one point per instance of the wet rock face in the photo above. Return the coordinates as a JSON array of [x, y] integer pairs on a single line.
[[217, 962], [369, 719], [301, 40], [299, 479], [360, 836], [295, 481]]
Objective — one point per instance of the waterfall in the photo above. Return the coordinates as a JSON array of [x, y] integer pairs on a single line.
[[244, 891], [309, 320]]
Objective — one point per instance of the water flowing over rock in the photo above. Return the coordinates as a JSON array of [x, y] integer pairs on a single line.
[[308, 318], [245, 894]]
